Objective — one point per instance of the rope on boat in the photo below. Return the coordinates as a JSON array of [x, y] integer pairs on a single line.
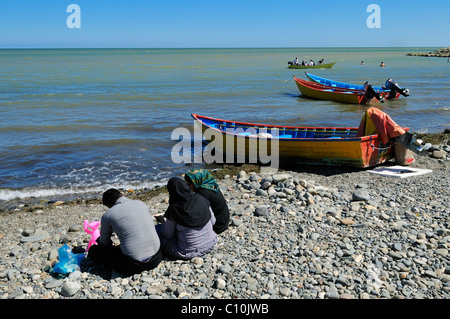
[[380, 148], [286, 81]]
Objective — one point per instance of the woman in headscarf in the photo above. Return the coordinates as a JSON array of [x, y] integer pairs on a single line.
[[203, 183], [186, 231]]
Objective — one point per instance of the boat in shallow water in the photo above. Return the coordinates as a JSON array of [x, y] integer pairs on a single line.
[[331, 93], [316, 66], [350, 86], [252, 142], [348, 95], [390, 86]]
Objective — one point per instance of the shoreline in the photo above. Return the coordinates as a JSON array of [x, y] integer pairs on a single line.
[[305, 233], [39, 203]]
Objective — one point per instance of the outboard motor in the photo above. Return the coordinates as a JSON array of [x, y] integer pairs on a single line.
[[394, 88], [410, 141], [371, 93]]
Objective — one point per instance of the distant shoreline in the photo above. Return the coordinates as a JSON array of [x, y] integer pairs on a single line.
[[441, 53]]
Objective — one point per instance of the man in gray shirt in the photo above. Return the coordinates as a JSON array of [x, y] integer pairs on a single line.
[[132, 222]]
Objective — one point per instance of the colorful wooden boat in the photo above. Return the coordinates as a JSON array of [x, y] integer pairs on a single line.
[[317, 66], [330, 93], [249, 142], [390, 87], [350, 86]]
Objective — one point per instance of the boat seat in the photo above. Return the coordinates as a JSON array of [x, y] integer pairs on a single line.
[[285, 136]]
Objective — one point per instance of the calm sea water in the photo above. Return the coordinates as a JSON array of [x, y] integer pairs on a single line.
[[80, 121]]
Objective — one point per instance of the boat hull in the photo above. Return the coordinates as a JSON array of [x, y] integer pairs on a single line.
[[307, 145], [318, 66], [324, 92], [350, 86]]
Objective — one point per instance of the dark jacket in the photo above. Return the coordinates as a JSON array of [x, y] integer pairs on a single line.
[[219, 207]]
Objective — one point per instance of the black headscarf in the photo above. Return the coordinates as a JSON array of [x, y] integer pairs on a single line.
[[186, 207]]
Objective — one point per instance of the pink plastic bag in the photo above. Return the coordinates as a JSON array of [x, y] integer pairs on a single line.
[[92, 228]]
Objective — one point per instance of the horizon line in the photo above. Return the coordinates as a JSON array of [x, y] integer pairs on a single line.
[[231, 47]]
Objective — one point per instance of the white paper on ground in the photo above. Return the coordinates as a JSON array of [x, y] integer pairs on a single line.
[[400, 171]]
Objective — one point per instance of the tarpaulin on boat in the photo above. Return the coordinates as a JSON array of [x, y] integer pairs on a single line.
[[376, 121]]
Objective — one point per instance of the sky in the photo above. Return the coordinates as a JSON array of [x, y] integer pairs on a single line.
[[223, 23]]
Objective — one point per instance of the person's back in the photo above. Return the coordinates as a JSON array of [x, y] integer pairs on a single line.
[[203, 183], [192, 242], [219, 207], [132, 222], [186, 231]]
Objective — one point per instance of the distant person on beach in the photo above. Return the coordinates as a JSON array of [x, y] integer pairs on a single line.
[[203, 183], [382, 65], [132, 222], [186, 229]]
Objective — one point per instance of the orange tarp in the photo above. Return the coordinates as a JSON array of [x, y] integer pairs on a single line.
[[376, 121]]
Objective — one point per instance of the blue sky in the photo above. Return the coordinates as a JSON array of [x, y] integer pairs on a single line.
[[223, 23]]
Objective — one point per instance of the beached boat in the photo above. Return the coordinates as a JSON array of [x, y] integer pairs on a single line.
[[251, 142], [330, 93], [317, 66]]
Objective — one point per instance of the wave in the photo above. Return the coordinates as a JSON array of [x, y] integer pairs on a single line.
[[73, 192]]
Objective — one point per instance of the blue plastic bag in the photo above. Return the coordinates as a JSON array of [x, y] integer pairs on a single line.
[[68, 261]]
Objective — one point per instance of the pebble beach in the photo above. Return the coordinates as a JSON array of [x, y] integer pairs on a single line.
[[308, 232]]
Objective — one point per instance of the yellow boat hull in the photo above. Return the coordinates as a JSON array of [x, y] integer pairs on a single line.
[[360, 152]]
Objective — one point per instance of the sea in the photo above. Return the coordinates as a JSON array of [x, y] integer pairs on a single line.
[[75, 122]]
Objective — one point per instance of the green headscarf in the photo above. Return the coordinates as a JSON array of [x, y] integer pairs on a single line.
[[201, 178]]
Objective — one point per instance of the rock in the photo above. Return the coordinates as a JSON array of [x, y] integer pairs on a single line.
[[38, 235], [279, 178], [236, 222], [225, 269], [332, 293], [360, 195], [439, 154], [241, 175], [54, 283], [53, 254], [220, 283], [70, 288], [260, 192], [442, 251], [441, 53], [347, 221], [265, 185], [262, 211]]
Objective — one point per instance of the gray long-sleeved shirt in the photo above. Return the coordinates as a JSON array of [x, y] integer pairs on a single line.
[[133, 223]]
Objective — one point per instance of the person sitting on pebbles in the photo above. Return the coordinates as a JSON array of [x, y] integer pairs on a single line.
[[203, 183], [186, 229], [132, 222]]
